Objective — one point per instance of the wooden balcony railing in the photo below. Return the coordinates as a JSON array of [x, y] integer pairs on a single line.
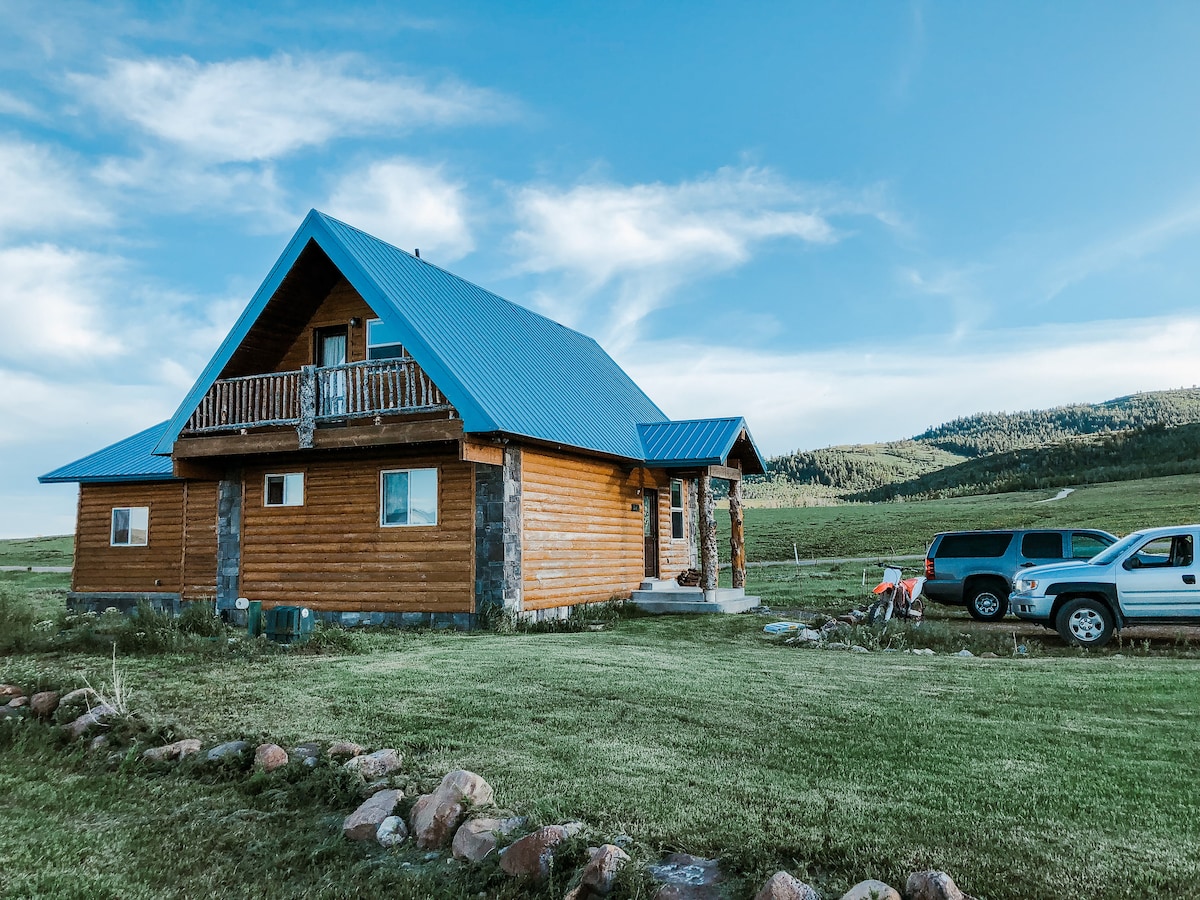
[[316, 394]]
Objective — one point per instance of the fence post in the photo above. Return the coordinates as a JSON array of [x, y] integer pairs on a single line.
[[308, 406]]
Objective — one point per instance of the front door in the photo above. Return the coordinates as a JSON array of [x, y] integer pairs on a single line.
[[331, 386], [650, 530], [1160, 579]]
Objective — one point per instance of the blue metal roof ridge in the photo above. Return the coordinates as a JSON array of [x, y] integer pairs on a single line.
[[387, 284], [688, 442], [131, 459]]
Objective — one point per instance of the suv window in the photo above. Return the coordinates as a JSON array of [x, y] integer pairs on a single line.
[[967, 546], [1042, 545], [1085, 546], [1170, 551]]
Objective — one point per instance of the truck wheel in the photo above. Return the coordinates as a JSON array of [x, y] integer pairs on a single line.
[[1085, 622], [987, 603]]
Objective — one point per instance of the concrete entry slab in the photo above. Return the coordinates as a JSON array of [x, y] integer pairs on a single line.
[[660, 596]]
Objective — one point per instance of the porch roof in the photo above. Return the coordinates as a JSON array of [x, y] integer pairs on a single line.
[[131, 459], [700, 442]]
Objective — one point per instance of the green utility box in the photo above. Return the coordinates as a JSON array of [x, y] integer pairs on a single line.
[[288, 624]]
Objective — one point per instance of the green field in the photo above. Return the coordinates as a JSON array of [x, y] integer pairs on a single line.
[[41, 551], [867, 529], [1054, 774]]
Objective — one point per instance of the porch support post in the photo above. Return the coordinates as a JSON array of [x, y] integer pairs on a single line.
[[308, 406], [708, 538], [737, 535]]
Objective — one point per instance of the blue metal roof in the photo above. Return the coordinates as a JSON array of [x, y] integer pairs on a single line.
[[706, 442], [132, 459], [503, 367]]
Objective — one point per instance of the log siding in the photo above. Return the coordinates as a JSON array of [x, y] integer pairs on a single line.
[[155, 567], [332, 553]]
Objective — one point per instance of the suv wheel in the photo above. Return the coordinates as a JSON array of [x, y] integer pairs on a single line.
[[987, 602], [1085, 622]]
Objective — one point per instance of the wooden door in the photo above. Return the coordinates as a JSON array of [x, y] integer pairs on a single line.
[[650, 530]]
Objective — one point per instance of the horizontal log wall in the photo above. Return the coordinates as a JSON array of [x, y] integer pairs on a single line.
[[583, 540], [332, 553], [341, 305], [200, 540], [102, 567]]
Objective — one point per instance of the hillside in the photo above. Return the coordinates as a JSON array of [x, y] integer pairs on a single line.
[[1137, 436]]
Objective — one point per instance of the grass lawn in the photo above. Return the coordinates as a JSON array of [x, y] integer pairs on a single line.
[[1064, 777], [866, 529], [40, 551]]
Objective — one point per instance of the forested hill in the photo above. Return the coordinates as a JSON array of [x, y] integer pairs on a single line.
[[985, 433], [950, 458]]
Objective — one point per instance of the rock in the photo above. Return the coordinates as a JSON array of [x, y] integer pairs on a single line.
[[18, 702], [345, 748], [375, 765], [306, 752], [601, 869], [533, 855], [476, 838], [10, 691], [858, 648], [363, 824], [872, 890], [782, 886], [807, 634], [76, 696], [373, 787], [176, 750], [270, 757], [99, 742], [392, 832], [687, 877], [227, 749], [44, 704], [988, 655], [831, 625], [837, 645], [7, 711], [435, 816], [94, 716], [932, 885], [965, 653]]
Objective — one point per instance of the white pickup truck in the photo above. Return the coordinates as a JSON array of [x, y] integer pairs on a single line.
[[1146, 578]]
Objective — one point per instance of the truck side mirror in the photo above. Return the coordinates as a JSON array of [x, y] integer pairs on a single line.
[[1132, 563]]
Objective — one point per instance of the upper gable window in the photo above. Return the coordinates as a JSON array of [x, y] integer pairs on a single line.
[[382, 342], [284, 490], [130, 526]]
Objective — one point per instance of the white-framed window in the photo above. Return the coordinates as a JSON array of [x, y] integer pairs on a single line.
[[676, 509], [408, 497], [130, 526], [284, 490], [382, 342]]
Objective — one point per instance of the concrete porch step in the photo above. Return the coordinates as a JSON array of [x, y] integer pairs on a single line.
[[663, 599]]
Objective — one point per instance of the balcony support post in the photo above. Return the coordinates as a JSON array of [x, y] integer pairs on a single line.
[[308, 406]]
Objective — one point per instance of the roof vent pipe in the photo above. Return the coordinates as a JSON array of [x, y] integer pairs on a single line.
[[417, 253]]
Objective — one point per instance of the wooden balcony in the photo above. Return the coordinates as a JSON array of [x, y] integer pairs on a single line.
[[315, 395]]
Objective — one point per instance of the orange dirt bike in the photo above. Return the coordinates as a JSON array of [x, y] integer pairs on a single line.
[[897, 596]]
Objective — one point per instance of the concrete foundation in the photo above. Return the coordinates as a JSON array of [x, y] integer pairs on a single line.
[[667, 596]]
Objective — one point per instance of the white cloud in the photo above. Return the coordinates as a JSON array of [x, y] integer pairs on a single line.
[[260, 109], [647, 240], [12, 105], [406, 203], [878, 392], [49, 305], [40, 191]]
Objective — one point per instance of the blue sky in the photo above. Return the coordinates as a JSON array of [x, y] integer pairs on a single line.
[[845, 221]]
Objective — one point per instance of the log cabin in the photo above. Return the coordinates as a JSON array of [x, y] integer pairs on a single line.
[[382, 441]]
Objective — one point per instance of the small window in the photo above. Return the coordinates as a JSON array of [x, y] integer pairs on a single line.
[[1165, 552], [382, 342], [130, 526], [974, 544], [1042, 545], [676, 509], [1085, 546], [408, 497], [285, 490]]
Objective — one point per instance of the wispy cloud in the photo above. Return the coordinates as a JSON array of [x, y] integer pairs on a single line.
[[644, 241], [42, 191], [12, 105], [865, 393], [261, 109], [407, 203]]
